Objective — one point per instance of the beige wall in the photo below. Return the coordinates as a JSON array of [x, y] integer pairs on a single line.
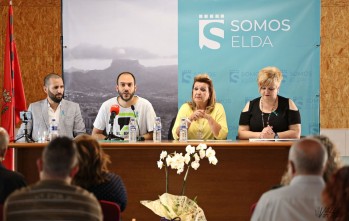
[[38, 29]]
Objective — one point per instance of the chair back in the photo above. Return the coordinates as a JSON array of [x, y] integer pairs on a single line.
[[111, 211], [169, 136]]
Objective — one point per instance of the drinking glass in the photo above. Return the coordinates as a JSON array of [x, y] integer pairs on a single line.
[[42, 136]]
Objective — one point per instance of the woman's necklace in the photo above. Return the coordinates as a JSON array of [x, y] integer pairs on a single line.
[[272, 110]]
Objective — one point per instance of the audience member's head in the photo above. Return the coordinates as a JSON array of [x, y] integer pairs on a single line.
[[92, 161], [336, 196], [59, 160], [4, 139], [333, 160], [307, 157]]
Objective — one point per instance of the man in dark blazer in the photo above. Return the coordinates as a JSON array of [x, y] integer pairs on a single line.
[[66, 113], [9, 180]]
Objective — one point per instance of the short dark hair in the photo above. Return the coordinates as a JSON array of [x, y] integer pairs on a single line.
[[59, 157], [125, 72], [49, 76]]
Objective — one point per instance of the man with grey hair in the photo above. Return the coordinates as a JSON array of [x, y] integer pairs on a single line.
[[53, 197], [67, 114], [9, 180], [302, 198]]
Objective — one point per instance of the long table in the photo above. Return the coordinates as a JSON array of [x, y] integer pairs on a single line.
[[225, 192]]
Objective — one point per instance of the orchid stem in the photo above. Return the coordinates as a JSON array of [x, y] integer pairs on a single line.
[[184, 181], [166, 172]]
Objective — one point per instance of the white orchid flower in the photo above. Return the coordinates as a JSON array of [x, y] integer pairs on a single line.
[[168, 160], [182, 163], [160, 164], [195, 165], [210, 152], [163, 155], [180, 170], [201, 146], [190, 149], [177, 161], [186, 158], [196, 157], [213, 160], [202, 154]]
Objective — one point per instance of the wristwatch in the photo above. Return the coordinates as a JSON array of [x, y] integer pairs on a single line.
[[276, 136]]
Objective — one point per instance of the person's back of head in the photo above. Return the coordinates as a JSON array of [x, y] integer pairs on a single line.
[[59, 158], [333, 160], [92, 161], [336, 195], [53, 198], [4, 140], [307, 157]]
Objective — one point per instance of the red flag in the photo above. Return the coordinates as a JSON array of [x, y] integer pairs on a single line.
[[13, 98]]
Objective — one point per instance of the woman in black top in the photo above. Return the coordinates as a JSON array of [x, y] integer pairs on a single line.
[[93, 174], [270, 116]]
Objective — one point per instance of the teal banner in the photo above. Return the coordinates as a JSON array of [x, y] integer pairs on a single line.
[[233, 40]]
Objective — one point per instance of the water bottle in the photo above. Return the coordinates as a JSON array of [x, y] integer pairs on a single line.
[[183, 130], [53, 129], [157, 130], [132, 131]]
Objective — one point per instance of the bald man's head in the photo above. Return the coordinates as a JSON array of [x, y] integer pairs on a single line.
[[308, 156], [4, 140]]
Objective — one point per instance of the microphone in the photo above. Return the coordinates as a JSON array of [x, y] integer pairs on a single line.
[[139, 138], [114, 110]]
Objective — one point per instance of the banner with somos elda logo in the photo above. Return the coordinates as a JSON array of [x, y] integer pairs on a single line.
[[233, 40]]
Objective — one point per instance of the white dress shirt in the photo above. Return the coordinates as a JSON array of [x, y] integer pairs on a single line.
[[54, 114]]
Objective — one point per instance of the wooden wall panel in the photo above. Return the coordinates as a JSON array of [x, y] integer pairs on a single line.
[[38, 31], [334, 84]]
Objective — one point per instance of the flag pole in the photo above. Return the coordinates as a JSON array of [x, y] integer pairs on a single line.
[[12, 74], [11, 154]]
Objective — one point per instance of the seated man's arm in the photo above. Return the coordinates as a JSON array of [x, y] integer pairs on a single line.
[[98, 134], [100, 122], [148, 136], [79, 125], [150, 120]]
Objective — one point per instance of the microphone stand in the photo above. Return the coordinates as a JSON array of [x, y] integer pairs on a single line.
[[28, 138], [139, 138], [111, 136]]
